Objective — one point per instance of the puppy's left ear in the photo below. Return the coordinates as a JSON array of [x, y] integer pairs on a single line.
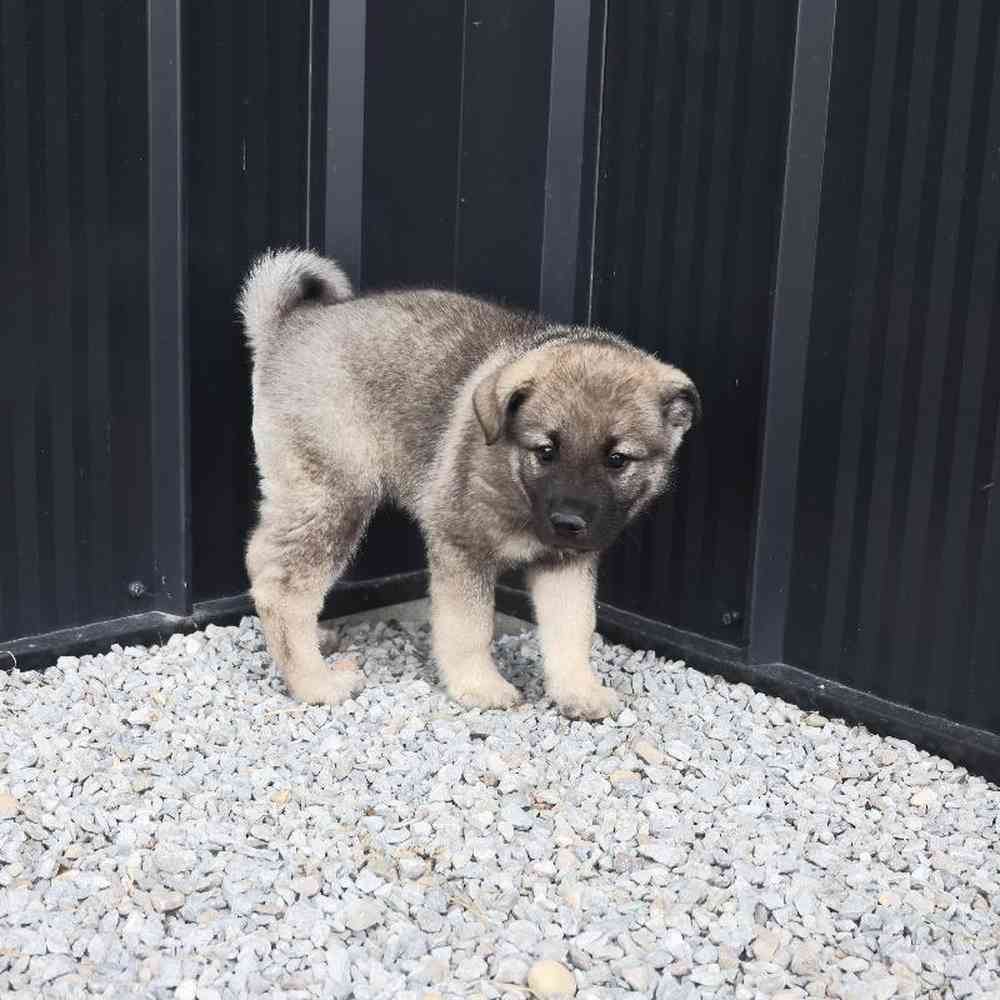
[[680, 401]]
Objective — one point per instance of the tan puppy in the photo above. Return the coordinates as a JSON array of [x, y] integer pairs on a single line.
[[512, 442]]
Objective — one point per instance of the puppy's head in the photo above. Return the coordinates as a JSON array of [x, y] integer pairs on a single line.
[[591, 428]]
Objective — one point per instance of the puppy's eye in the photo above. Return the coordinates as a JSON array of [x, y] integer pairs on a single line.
[[546, 453], [616, 460]]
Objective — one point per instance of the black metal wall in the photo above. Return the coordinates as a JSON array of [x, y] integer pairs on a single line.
[[796, 202], [897, 526], [246, 167], [454, 168], [695, 110], [411, 141], [76, 509]]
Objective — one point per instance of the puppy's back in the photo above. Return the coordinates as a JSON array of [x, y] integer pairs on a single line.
[[376, 375]]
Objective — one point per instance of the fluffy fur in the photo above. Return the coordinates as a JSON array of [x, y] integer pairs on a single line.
[[500, 434]]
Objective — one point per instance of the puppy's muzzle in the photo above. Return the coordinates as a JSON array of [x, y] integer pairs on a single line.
[[570, 523]]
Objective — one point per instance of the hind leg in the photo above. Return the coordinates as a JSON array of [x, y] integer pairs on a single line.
[[296, 553]]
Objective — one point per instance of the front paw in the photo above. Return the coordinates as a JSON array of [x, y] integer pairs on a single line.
[[484, 690], [587, 700], [332, 686]]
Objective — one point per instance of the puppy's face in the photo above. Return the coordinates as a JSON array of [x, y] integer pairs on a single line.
[[591, 432]]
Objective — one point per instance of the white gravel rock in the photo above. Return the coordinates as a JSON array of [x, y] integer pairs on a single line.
[[165, 901], [550, 980], [171, 824], [187, 990]]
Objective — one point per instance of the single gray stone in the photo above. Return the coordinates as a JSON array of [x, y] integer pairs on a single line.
[[707, 975], [471, 969], [960, 966], [429, 921], [512, 970], [337, 978], [637, 977], [412, 868], [51, 967], [663, 854], [517, 817], [186, 990], [362, 914], [166, 901]]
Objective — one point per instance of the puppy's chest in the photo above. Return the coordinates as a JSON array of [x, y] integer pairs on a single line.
[[520, 548]]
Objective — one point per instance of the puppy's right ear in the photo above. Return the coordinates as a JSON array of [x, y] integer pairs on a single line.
[[497, 398]]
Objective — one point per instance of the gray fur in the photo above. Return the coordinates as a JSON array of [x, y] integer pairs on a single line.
[[445, 405]]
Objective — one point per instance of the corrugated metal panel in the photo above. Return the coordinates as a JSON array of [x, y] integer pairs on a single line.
[[895, 580], [246, 97], [501, 177], [694, 122], [411, 141], [455, 161], [74, 431]]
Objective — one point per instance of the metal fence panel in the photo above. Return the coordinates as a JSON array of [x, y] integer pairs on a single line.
[[896, 564], [693, 131], [76, 505]]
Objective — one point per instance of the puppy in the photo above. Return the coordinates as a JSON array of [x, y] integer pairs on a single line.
[[511, 441]]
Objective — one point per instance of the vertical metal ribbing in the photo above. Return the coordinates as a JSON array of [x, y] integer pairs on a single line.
[[564, 157], [168, 349], [793, 296], [345, 129]]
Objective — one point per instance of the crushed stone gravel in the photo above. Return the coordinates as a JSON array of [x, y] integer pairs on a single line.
[[172, 826]]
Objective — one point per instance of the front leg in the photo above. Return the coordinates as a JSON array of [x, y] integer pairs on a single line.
[[564, 596], [462, 598]]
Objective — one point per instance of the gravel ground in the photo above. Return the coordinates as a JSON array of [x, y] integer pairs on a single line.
[[172, 826]]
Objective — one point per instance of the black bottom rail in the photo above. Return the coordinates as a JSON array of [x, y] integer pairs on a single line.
[[346, 598], [975, 749]]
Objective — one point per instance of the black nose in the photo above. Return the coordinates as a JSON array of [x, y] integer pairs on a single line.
[[567, 524]]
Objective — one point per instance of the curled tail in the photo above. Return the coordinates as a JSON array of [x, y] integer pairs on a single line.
[[281, 280]]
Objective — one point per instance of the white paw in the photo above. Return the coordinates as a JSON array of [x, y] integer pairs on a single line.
[[484, 690], [329, 687], [588, 699]]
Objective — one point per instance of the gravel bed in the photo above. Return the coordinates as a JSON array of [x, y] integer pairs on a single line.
[[171, 825]]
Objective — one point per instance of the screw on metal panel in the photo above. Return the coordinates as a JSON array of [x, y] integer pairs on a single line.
[[137, 589], [730, 618]]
